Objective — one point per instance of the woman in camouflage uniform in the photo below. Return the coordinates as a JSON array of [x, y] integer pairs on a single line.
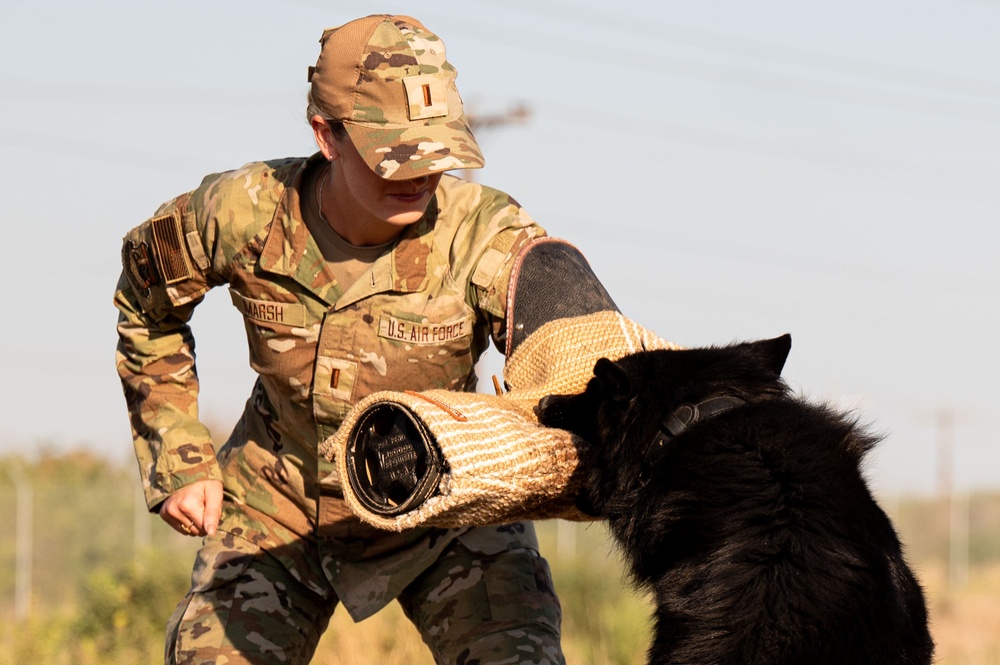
[[361, 268]]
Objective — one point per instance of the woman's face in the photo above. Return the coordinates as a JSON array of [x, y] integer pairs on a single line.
[[362, 205]]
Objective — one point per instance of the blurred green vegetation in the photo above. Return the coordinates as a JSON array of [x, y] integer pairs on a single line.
[[106, 575]]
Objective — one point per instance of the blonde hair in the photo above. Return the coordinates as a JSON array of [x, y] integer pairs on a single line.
[[312, 108]]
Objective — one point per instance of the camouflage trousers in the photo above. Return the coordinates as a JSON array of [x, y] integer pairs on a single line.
[[470, 607]]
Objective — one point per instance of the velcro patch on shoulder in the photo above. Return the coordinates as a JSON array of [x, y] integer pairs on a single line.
[[197, 253], [488, 267], [139, 267], [168, 240]]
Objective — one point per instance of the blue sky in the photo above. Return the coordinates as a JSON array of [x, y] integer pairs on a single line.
[[732, 170]]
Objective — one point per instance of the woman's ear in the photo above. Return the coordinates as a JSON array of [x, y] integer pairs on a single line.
[[324, 137]]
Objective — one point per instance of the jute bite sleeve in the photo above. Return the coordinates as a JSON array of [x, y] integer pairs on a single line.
[[479, 459]]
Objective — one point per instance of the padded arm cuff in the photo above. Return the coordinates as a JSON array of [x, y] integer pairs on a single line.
[[550, 280]]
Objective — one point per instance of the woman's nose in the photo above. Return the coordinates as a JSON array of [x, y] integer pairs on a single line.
[[418, 183]]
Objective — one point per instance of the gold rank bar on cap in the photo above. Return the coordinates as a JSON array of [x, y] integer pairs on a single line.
[[426, 96]]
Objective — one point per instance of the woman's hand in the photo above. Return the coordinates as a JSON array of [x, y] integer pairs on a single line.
[[194, 510]]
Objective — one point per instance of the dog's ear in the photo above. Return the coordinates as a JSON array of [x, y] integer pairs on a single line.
[[774, 352], [613, 379]]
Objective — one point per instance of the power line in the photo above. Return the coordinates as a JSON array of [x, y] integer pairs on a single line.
[[802, 261], [986, 106], [485, 122], [962, 175], [640, 60], [748, 47], [516, 115], [979, 98], [96, 151], [966, 174], [48, 94]]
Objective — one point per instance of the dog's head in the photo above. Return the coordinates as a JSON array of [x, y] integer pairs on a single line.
[[620, 413]]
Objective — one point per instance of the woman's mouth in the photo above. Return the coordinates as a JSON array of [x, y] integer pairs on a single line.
[[410, 198]]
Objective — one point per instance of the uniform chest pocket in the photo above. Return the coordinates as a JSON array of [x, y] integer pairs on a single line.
[[418, 343], [282, 343], [433, 352]]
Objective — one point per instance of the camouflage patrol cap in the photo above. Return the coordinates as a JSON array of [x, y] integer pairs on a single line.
[[386, 78]]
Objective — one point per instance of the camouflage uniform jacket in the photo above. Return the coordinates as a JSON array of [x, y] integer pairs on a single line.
[[418, 319]]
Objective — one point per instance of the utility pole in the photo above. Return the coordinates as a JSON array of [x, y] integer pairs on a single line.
[[945, 420], [956, 505], [958, 540], [141, 524], [481, 123], [22, 533], [517, 114]]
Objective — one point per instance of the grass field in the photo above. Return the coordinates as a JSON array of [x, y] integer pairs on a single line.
[[605, 623], [965, 621], [106, 576], [965, 624]]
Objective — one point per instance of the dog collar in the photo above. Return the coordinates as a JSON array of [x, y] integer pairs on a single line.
[[688, 414]]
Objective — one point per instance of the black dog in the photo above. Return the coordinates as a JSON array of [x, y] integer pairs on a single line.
[[744, 510]]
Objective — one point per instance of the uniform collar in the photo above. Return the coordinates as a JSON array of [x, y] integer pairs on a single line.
[[290, 250]]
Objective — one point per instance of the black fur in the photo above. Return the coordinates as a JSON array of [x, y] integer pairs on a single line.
[[754, 528]]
